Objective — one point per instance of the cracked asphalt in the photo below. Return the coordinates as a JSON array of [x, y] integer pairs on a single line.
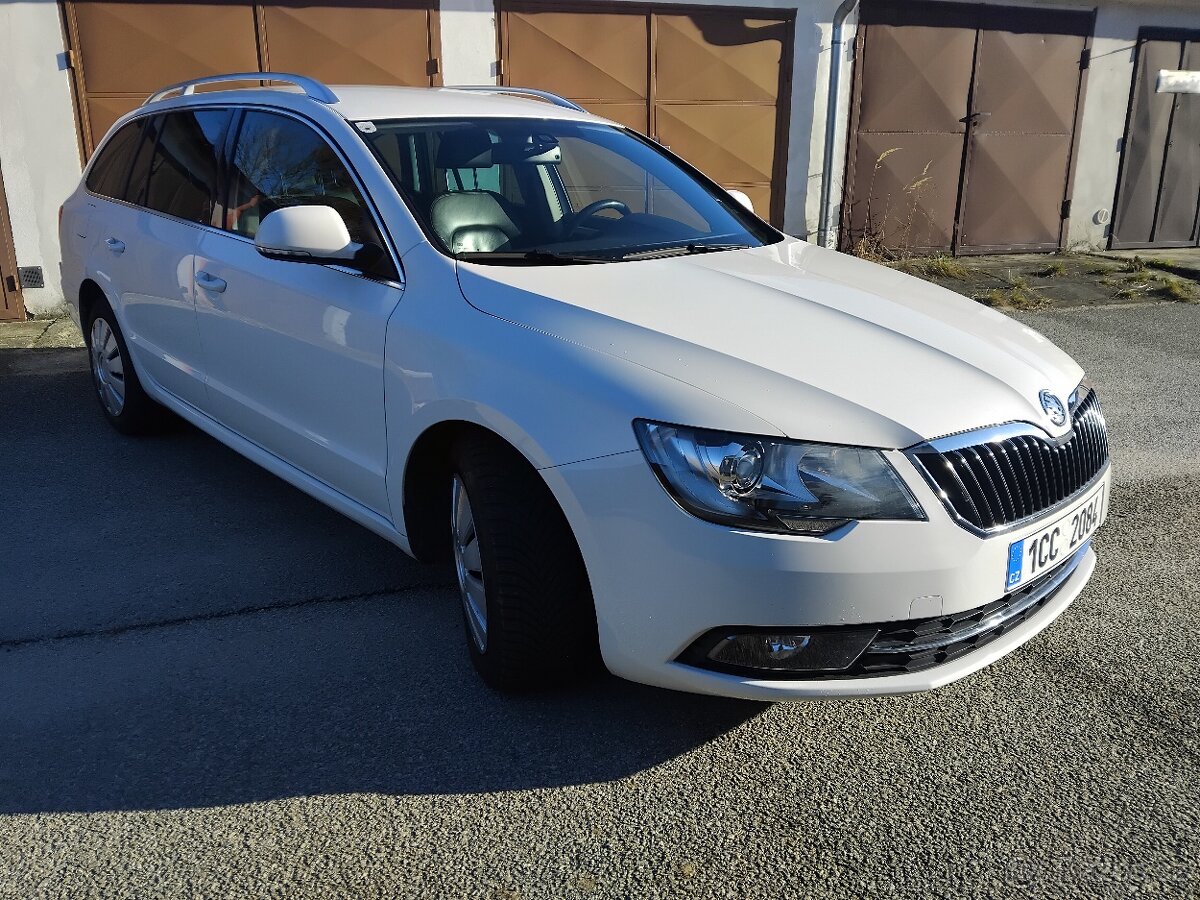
[[212, 686]]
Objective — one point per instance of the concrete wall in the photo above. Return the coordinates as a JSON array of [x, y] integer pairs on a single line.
[[1110, 81], [40, 161], [39, 152]]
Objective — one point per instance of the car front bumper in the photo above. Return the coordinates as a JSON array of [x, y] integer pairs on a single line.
[[662, 578]]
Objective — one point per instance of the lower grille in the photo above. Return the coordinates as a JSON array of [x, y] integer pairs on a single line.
[[904, 647], [1018, 474], [901, 648]]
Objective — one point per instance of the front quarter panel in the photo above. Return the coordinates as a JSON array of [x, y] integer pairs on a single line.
[[555, 401]]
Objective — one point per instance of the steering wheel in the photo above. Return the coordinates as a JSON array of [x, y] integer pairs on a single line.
[[591, 209]]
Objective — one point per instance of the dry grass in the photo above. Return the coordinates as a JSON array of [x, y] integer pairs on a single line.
[[1179, 291], [1016, 297], [1054, 270], [934, 267]]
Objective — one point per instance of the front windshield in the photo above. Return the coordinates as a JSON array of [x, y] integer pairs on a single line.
[[543, 191]]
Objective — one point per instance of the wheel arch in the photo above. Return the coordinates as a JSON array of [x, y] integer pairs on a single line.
[[425, 484], [89, 293]]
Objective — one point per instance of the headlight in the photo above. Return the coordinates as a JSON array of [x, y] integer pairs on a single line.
[[770, 484]]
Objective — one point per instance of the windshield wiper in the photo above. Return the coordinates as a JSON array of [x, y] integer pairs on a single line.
[[530, 257], [683, 250]]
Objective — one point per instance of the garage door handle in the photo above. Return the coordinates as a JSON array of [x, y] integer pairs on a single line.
[[117, 247], [210, 282]]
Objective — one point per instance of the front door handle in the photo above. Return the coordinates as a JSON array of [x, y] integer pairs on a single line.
[[117, 247], [210, 282]]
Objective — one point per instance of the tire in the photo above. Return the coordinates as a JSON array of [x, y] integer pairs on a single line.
[[122, 398], [523, 571]]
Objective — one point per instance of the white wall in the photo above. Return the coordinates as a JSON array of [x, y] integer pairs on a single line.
[[1110, 80], [39, 151]]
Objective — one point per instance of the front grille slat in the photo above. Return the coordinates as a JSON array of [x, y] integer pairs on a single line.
[[1021, 478], [1014, 478]]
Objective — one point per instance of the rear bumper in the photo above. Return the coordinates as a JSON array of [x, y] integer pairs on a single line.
[[662, 578]]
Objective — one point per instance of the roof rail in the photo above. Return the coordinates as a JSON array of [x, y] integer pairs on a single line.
[[518, 92], [311, 87]]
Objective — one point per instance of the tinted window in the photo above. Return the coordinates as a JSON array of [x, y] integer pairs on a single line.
[[140, 172], [280, 162], [183, 170], [108, 173]]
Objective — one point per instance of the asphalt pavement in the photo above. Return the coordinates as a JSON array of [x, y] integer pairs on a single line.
[[212, 686]]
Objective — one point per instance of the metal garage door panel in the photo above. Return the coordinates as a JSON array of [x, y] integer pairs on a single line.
[[139, 47], [1027, 83], [103, 111], [583, 56], [635, 115], [1145, 146], [349, 42], [1015, 191], [729, 143], [718, 56], [915, 78], [1181, 170], [906, 190]]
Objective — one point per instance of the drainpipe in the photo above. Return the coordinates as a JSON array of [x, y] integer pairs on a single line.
[[831, 117]]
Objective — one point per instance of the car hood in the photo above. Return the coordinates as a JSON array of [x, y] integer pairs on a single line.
[[820, 345]]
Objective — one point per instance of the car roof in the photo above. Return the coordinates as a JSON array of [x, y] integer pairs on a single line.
[[358, 102]]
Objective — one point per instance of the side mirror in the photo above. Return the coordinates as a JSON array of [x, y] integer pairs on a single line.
[[740, 196], [308, 234]]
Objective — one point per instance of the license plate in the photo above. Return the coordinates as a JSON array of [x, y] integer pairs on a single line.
[[1056, 543]]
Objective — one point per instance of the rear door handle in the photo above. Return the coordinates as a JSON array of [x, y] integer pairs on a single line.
[[117, 247], [210, 282]]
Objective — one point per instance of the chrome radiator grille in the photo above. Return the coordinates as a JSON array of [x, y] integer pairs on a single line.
[[1017, 475]]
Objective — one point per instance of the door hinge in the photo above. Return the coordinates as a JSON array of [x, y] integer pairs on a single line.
[[1085, 59], [499, 68], [433, 66], [69, 58], [1066, 209]]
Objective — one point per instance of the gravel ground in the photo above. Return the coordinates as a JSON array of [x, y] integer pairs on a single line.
[[211, 686]]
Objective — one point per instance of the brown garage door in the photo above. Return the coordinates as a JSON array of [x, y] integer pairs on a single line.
[[122, 52], [712, 84], [964, 127], [1159, 197], [10, 285]]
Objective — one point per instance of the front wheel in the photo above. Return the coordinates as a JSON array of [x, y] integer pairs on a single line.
[[527, 606]]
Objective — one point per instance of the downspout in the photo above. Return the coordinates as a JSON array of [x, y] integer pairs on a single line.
[[831, 116]]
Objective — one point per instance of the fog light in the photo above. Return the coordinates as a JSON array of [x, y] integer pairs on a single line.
[[786, 651]]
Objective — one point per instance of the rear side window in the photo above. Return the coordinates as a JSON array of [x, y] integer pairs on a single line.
[[108, 174], [182, 175]]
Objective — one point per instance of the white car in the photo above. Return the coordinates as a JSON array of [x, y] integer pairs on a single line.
[[647, 427]]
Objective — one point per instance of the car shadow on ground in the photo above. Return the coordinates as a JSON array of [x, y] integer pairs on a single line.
[[179, 629]]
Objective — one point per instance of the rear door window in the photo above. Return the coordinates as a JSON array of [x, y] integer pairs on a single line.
[[110, 172], [183, 172]]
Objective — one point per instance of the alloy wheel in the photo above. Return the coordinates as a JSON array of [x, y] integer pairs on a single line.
[[468, 564]]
